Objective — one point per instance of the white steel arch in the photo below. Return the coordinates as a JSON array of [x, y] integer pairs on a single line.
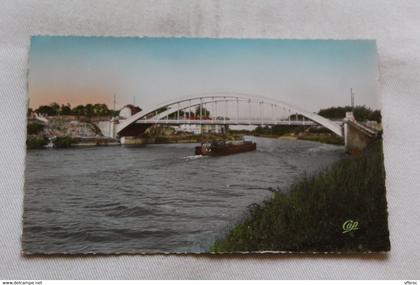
[[163, 110]]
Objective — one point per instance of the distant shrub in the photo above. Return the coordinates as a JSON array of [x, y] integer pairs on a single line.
[[34, 128], [63, 142], [33, 142]]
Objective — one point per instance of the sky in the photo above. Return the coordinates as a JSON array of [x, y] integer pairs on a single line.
[[311, 74]]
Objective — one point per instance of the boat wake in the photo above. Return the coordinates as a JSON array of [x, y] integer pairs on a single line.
[[190, 157]]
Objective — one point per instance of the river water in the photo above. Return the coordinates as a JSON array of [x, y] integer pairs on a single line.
[[156, 198]]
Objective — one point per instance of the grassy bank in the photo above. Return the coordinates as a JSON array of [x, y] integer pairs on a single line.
[[310, 217], [316, 137], [322, 138]]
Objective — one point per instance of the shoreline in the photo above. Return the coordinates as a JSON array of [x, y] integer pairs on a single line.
[[321, 138], [69, 142], [76, 142]]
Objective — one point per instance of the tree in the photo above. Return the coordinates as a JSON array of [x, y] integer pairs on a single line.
[[65, 109], [205, 113], [79, 110], [55, 107], [47, 110], [376, 116], [34, 128], [361, 113], [89, 110], [101, 110]]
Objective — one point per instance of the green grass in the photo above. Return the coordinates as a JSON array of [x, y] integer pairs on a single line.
[[64, 142], [34, 142], [311, 215], [322, 138]]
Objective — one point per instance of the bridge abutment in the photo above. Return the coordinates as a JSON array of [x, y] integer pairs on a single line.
[[357, 137]]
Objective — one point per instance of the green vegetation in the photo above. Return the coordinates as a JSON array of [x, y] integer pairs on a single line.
[[89, 110], [322, 138], [34, 128], [35, 138], [310, 217], [64, 142], [33, 142], [203, 111], [313, 133], [361, 113]]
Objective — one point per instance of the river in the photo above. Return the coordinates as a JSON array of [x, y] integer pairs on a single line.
[[155, 198]]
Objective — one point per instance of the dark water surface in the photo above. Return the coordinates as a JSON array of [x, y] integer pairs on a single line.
[[155, 198]]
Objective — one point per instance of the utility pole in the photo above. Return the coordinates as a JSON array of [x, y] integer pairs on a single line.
[[352, 98], [115, 100], [112, 127]]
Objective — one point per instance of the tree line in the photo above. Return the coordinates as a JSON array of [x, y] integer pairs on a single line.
[[89, 110], [191, 114], [361, 113]]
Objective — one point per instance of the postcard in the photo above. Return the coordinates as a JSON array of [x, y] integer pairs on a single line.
[[200, 145]]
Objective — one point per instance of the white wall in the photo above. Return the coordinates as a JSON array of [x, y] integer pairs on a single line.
[[105, 127]]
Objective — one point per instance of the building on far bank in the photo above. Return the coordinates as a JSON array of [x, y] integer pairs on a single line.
[[198, 129]]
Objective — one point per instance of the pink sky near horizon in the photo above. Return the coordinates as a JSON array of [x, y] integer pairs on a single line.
[[80, 96]]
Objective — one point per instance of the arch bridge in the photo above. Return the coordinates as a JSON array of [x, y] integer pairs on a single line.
[[224, 109]]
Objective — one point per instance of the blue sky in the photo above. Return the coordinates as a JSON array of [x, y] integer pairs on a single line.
[[312, 74]]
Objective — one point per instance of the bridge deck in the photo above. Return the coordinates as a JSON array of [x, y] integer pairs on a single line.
[[227, 122]]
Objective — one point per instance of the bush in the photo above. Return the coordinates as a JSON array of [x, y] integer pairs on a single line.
[[33, 142], [311, 215], [34, 128], [63, 142]]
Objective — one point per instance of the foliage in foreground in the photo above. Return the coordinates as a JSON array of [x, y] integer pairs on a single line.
[[311, 216]]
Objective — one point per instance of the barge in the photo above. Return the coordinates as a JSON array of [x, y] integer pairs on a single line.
[[216, 148]]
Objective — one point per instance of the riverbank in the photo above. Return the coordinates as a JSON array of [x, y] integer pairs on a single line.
[[64, 132], [311, 215], [321, 137], [177, 138], [295, 133], [39, 142]]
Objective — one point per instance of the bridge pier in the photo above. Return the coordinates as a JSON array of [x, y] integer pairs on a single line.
[[113, 128]]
